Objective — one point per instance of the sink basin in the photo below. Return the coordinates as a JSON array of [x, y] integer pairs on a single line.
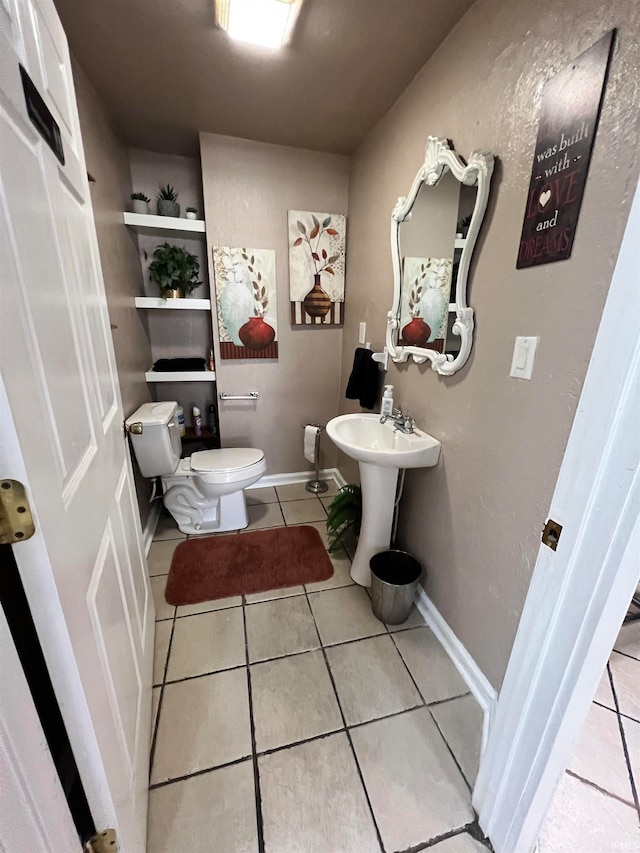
[[381, 451], [364, 438]]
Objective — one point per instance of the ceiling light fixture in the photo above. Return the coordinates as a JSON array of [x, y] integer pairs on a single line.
[[268, 23]]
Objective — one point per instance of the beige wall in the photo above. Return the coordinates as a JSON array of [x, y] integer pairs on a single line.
[[248, 189], [175, 334], [108, 163], [475, 520]]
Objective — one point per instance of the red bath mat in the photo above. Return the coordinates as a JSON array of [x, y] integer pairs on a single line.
[[211, 567]]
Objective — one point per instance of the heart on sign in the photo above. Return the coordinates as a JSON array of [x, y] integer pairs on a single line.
[[544, 198]]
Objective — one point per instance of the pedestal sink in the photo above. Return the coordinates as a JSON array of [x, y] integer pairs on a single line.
[[381, 451]]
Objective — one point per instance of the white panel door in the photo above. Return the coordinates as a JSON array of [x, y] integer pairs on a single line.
[[84, 572]]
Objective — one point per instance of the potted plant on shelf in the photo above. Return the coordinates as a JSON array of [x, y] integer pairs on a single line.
[[175, 271], [192, 212], [344, 516], [140, 203], [167, 200]]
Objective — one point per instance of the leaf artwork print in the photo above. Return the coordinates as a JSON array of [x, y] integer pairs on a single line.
[[246, 302], [316, 267]]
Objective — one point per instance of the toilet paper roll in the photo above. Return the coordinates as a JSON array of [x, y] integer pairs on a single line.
[[310, 433]]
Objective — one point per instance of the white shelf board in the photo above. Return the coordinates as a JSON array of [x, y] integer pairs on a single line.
[[165, 226], [186, 304], [181, 376], [460, 242]]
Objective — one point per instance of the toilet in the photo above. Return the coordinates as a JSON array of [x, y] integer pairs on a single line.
[[204, 492]]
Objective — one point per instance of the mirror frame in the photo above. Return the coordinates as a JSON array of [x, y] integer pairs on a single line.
[[440, 156]]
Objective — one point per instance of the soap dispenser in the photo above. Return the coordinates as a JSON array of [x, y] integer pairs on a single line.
[[387, 401]]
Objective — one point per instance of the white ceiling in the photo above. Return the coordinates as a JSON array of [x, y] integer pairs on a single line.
[[165, 71]]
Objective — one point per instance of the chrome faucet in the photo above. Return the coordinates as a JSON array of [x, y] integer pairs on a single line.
[[403, 422]]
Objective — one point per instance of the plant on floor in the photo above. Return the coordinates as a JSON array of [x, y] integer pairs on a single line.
[[175, 270], [344, 515]]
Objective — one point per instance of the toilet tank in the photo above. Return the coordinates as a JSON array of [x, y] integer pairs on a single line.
[[158, 446]]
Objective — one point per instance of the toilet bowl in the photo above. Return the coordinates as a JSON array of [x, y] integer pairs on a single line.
[[203, 492]]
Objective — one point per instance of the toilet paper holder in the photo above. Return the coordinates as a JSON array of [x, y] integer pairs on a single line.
[[316, 486]]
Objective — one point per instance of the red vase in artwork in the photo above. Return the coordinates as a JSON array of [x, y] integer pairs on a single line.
[[416, 333], [256, 334]]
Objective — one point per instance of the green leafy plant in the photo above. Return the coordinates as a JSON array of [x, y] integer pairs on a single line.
[[167, 194], [173, 268], [140, 197], [192, 210], [344, 515]]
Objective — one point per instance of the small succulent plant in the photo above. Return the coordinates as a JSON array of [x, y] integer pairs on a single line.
[[140, 197], [192, 210], [167, 194]]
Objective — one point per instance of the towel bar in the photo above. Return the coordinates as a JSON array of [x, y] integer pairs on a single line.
[[252, 395]]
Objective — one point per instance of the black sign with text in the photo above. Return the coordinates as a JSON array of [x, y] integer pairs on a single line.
[[571, 103]]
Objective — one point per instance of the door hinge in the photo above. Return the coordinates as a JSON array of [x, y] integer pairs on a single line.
[[551, 534], [102, 842], [16, 521]]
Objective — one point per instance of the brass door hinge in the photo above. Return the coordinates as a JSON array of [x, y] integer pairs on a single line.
[[551, 534], [102, 842], [16, 521]]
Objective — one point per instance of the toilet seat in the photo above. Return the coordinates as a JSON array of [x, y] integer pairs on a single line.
[[226, 460]]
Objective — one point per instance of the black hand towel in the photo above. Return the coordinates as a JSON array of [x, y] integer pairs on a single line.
[[364, 382]]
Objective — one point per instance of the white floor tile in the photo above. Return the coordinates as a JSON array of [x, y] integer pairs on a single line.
[[629, 639], [460, 721], [266, 495], [212, 812], [155, 699], [341, 573], [603, 693], [208, 606], [598, 755], [583, 819], [344, 614], [161, 649], [626, 681], [280, 627], [371, 679], [416, 791], [632, 736], [313, 801], [436, 677], [302, 512], [204, 722], [295, 492], [160, 556], [270, 595], [262, 516], [293, 700], [167, 529], [207, 643], [461, 843], [158, 586]]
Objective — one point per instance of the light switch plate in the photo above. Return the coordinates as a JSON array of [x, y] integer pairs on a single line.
[[362, 335], [524, 352]]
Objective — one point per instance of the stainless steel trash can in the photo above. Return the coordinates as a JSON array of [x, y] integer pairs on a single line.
[[394, 578]]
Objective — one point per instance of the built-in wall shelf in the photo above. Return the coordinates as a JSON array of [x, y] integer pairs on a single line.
[[181, 376], [165, 226], [186, 304]]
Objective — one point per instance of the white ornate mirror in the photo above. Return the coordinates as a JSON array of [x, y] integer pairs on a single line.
[[433, 234]]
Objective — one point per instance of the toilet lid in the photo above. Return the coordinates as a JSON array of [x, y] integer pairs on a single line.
[[225, 460]]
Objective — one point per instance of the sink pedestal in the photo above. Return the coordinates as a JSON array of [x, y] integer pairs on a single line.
[[378, 498]]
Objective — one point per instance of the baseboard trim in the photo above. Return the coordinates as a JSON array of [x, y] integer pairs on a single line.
[[476, 681], [298, 477], [152, 522]]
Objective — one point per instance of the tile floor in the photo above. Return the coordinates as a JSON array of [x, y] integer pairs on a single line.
[[596, 807], [295, 721]]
